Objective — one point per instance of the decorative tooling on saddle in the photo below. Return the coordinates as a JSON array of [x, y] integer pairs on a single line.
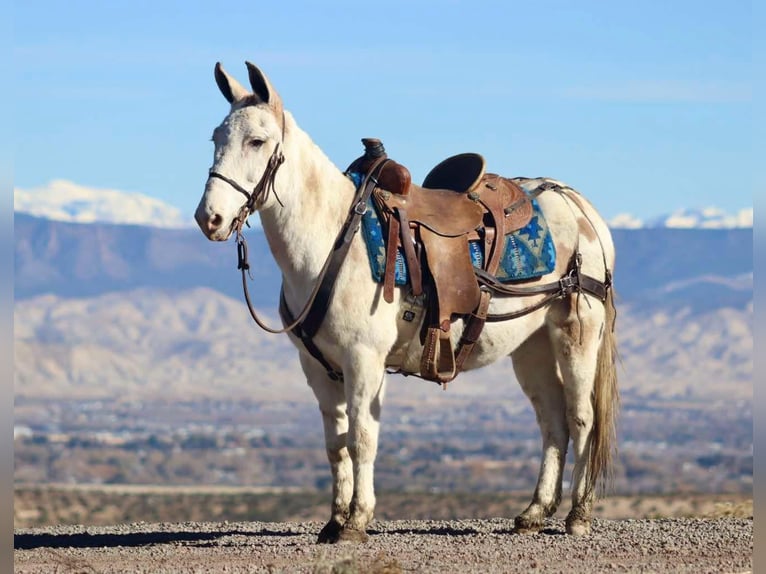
[[528, 253]]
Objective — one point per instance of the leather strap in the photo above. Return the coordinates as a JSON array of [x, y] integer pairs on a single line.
[[473, 328], [265, 185], [316, 305], [573, 281], [326, 288], [308, 342], [306, 327], [389, 277], [408, 245], [494, 241], [567, 284]]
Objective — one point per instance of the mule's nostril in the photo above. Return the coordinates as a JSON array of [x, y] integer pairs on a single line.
[[216, 221]]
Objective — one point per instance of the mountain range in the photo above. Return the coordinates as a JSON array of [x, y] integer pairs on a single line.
[[706, 218], [663, 265], [63, 200], [113, 310]]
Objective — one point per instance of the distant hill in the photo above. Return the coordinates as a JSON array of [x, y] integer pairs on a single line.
[[148, 342], [109, 310], [200, 343], [654, 264], [84, 260], [76, 260]]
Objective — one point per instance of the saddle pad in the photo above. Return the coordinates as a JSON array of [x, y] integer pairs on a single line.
[[529, 251]]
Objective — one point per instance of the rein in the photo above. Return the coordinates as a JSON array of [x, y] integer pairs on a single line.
[[255, 199], [308, 321]]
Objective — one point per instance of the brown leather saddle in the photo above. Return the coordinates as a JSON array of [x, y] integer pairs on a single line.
[[432, 224]]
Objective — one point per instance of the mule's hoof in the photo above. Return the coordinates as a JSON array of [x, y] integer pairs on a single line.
[[330, 533], [352, 535], [578, 527], [525, 525], [578, 521]]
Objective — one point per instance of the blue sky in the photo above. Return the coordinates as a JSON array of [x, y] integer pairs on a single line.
[[644, 107]]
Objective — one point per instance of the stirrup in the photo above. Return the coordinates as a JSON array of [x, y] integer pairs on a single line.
[[438, 361]]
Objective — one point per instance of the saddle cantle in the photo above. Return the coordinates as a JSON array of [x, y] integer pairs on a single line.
[[433, 224]]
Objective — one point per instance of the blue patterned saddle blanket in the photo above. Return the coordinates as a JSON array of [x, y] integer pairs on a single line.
[[529, 252]]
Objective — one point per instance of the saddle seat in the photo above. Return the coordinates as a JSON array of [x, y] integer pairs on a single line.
[[461, 173], [433, 223]]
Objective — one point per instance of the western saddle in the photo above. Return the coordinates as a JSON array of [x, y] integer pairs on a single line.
[[433, 224]]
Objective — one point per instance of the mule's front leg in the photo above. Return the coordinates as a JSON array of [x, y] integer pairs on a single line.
[[332, 404], [364, 375]]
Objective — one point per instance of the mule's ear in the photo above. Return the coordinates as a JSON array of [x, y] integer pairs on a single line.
[[262, 87], [231, 89]]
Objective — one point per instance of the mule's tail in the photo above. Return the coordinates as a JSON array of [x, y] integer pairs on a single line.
[[606, 402]]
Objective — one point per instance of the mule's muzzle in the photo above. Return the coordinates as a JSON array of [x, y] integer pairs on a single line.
[[212, 224]]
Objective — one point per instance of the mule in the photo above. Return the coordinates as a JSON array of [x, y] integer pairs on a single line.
[[563, 353]]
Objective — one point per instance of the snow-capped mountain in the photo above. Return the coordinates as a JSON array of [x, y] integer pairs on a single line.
[[706, 218], [62, 200]]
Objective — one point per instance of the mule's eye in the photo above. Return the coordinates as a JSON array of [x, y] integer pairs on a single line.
[[255, 143]]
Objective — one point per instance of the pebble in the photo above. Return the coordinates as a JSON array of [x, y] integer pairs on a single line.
[[671, 545]]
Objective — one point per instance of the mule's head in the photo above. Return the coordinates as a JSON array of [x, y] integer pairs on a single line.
[[245, 143]]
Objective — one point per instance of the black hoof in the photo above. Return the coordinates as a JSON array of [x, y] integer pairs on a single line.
[[330, 533]]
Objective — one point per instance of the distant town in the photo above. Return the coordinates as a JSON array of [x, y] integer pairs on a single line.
[[480, 447]]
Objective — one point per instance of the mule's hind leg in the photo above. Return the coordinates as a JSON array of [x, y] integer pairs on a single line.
[[332, 404], [576, 342], [535, 366]]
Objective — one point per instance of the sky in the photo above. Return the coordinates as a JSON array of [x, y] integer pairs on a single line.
[[645, 107]]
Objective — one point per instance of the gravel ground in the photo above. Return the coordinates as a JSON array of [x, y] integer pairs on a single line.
[[665, 545]]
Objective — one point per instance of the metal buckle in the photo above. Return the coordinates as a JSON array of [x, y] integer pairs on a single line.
[[567, 284], [360, 208], [242, 262]]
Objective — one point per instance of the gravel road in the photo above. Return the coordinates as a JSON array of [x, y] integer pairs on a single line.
[[665, 545]]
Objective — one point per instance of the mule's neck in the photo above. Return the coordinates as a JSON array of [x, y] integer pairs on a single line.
[[316, 198]]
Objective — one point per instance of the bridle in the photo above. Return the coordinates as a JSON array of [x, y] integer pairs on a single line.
[[261, 191], [260, 194]]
